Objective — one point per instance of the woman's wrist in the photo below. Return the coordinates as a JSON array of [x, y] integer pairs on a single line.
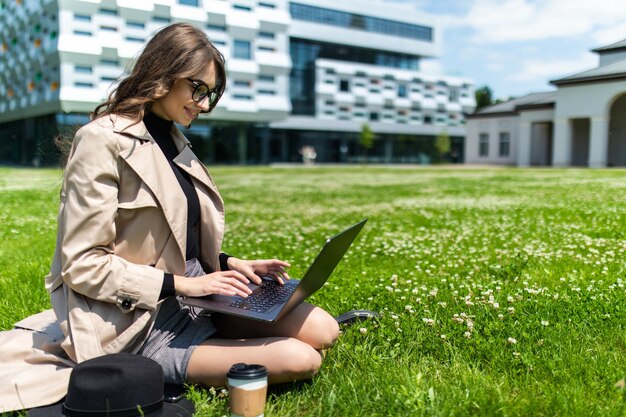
[[179, 285], [231, 262]]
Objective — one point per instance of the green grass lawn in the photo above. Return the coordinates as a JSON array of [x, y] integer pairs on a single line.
[[502, 291]]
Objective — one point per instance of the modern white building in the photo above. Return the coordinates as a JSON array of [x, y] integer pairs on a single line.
[[582, 123], [300, 73]]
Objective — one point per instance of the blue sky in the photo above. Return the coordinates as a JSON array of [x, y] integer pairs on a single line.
[[517, 46]]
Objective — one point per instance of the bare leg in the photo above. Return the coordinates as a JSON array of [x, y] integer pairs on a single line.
[[286, 359], [287, 348], [307, 323]]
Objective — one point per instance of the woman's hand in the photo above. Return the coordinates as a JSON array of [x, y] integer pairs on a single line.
[[254, 270], [220, 283]]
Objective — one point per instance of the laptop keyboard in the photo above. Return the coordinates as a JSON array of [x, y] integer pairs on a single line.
[[265, 297]]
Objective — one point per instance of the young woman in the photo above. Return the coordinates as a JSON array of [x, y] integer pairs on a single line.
[[141, 222]]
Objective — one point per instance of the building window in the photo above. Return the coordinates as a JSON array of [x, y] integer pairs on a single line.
[[83, 69], [136, 25], [109, 62], [483, 145], [242, 7], [267, 35], [217, 28], [266, 49], [83, 84], [82, 18], [193, 3], [134, 39], [428, 119], [374, 116], [241, 50], [454, 95], [267, 92], [82, 33], [108, 12], [344, 85], [504, 147], [159, 19], [267, 78], [242, 84], [242, 97], [108, 28], [402, 90], [268, 5]]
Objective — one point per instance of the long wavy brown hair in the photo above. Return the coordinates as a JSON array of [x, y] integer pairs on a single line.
[[177, 51]]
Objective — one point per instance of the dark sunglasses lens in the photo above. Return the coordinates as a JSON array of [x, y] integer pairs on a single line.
[[199, 93]]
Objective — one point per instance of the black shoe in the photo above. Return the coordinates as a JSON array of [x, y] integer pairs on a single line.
[[353, 316]]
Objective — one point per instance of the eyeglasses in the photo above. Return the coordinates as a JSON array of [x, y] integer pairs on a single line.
[[202, 91]]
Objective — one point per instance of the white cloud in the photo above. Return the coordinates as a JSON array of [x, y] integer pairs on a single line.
[[611, 34], [543, 69], [497, 21]]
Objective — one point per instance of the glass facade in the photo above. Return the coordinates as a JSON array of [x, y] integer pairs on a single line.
[[361, 22], [305, 52], [345, 147]]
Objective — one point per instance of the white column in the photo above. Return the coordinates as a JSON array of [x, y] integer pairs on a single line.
[[524, 141], [562, 143], [599, 142]]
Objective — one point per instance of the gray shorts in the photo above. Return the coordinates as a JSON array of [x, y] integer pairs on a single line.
[[176, 333]]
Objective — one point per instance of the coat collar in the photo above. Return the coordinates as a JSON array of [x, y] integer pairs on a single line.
[[131, 127], [147, 160]]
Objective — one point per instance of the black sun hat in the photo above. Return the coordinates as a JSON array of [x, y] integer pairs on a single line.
[[121, 384]]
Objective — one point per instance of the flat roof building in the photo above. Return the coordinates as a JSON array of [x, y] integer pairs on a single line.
[[300, 73]]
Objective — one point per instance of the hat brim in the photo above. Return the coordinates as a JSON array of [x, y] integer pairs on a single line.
[[181, 408]]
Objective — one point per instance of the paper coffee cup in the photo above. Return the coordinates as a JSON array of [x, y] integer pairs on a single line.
[[247, 390]]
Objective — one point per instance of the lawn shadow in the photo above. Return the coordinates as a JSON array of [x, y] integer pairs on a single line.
[[277, 390]]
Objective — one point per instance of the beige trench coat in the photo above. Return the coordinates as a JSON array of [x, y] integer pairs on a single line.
[[121, 224]]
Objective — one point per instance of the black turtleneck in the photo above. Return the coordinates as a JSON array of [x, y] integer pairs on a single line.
[[160, 130]]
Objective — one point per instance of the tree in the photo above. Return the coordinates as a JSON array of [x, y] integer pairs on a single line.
[[366, 138], [443, 144], [484, 97]]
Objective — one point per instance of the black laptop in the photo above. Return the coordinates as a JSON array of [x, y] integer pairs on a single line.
[[270, 301]]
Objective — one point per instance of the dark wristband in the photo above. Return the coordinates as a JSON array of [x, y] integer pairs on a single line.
[[168, 289], [224, 261]]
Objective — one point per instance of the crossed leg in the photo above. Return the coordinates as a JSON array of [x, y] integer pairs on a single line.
[[289, 348]]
